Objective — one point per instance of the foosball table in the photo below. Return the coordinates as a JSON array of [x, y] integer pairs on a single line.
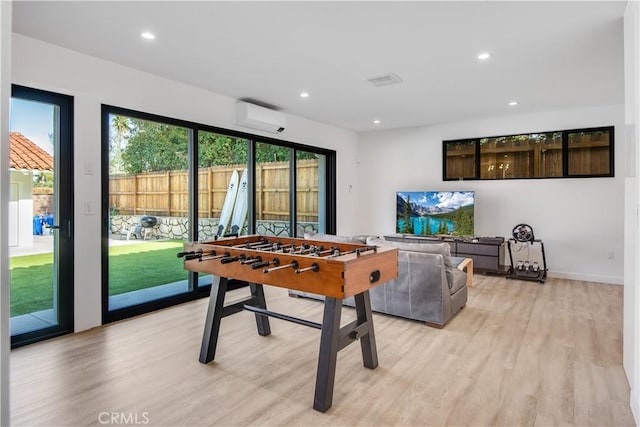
[[333, 270]]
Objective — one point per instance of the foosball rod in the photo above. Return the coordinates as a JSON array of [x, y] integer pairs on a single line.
[[357, 251], [250, 244], [293, 264], [269, 247], [198, 254], [209, 258], [182, 254], [257, 265], [314, 267], [313, 249], [251, 260], [331, 250]]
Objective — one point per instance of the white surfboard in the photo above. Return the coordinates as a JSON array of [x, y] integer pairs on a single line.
[[242, 204], [227, 207]]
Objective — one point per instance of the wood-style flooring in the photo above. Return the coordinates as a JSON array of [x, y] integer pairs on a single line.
[[519, 354]]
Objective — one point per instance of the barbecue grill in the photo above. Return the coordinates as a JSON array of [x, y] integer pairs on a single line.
[[144, 227]]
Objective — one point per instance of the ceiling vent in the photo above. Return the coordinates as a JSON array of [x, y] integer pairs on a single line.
[[386, 80], [257, 117]]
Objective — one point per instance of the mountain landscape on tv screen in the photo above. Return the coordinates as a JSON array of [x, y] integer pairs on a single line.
[[435, 213]]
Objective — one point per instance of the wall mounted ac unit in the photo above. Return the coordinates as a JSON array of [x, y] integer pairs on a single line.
[[256, 117]]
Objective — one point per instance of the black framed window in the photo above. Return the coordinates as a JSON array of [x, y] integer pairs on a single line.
[[555, 154], [590, 152], [166, 181], [460, 159]]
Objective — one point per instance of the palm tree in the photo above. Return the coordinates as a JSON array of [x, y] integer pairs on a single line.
[[120, 130]]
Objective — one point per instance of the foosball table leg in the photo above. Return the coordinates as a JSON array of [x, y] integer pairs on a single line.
[[328, 355], [262, 321], [368, 339], [214, 317]]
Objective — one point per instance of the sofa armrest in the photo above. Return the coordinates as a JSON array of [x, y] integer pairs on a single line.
[[466, 265]]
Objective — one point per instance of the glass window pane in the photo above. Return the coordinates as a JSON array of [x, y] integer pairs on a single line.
[[460, 159], [310, 192], [272, 190], [149, 210], [222, 188], [521, 156], [222, 185], [590, 153], [33, 209], [550, 164]]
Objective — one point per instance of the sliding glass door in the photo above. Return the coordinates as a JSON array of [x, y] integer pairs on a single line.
[[168, 181], [40, 215], [148, 221]]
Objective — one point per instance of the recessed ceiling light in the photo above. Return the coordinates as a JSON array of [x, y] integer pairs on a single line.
[[147, 35], [304, 94], [376, 122], [484, 56], [513, 103]]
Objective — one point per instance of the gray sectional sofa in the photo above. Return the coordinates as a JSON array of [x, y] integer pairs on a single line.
[[428, 287]]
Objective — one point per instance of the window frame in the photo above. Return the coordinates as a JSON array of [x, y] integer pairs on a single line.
[[194, 129], [565, 155], [66, 252]]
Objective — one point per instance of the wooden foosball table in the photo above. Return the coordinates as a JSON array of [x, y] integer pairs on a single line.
[[333, 270]]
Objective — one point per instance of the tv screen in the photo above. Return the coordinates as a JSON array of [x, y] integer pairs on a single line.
[[435, 213]]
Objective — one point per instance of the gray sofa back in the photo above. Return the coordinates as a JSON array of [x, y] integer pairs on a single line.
[[428, 288]]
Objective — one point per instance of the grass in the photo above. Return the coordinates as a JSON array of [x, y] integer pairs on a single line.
[[131, 267], [144, 265], [31, 279]]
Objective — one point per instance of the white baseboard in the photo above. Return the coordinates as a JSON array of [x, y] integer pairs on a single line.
[[635, 406], [610, 280]]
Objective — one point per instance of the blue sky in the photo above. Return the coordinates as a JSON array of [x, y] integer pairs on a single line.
[[34, 120]]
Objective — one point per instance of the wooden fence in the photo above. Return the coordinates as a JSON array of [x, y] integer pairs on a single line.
[[167, 193]]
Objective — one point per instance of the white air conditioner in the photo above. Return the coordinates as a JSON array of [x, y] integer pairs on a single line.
[[256, 117]]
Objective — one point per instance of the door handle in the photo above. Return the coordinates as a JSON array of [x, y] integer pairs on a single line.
[[54, 227]]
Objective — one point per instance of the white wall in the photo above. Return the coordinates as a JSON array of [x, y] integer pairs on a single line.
[[631, 332], [579, 220], [92, 81], [5, 95], [21, 209]]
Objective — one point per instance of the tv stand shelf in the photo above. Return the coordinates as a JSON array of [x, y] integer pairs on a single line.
[[487, 252]]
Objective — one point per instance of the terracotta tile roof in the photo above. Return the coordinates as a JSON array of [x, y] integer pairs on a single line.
[[25, 155]]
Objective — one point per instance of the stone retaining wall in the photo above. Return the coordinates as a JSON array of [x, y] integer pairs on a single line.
[[175, 228]]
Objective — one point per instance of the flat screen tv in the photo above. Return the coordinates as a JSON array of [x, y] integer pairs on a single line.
[[430, 213]]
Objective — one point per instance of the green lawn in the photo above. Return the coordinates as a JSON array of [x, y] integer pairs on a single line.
[[31, 283], [131, 267]]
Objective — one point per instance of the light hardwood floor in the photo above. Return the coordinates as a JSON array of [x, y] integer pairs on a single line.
[[519, 354]]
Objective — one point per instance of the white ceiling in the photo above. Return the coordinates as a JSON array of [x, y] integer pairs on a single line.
[[545, 55]]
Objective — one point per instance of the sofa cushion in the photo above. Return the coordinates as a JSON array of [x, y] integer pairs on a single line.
[[431, 248], [332, 238]]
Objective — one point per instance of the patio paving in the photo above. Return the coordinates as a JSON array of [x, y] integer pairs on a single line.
[[41, 245]]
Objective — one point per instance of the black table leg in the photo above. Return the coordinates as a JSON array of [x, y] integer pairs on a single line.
[[214, 316], [262, 321], [368, 340], [333, 338], [329, 340]]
